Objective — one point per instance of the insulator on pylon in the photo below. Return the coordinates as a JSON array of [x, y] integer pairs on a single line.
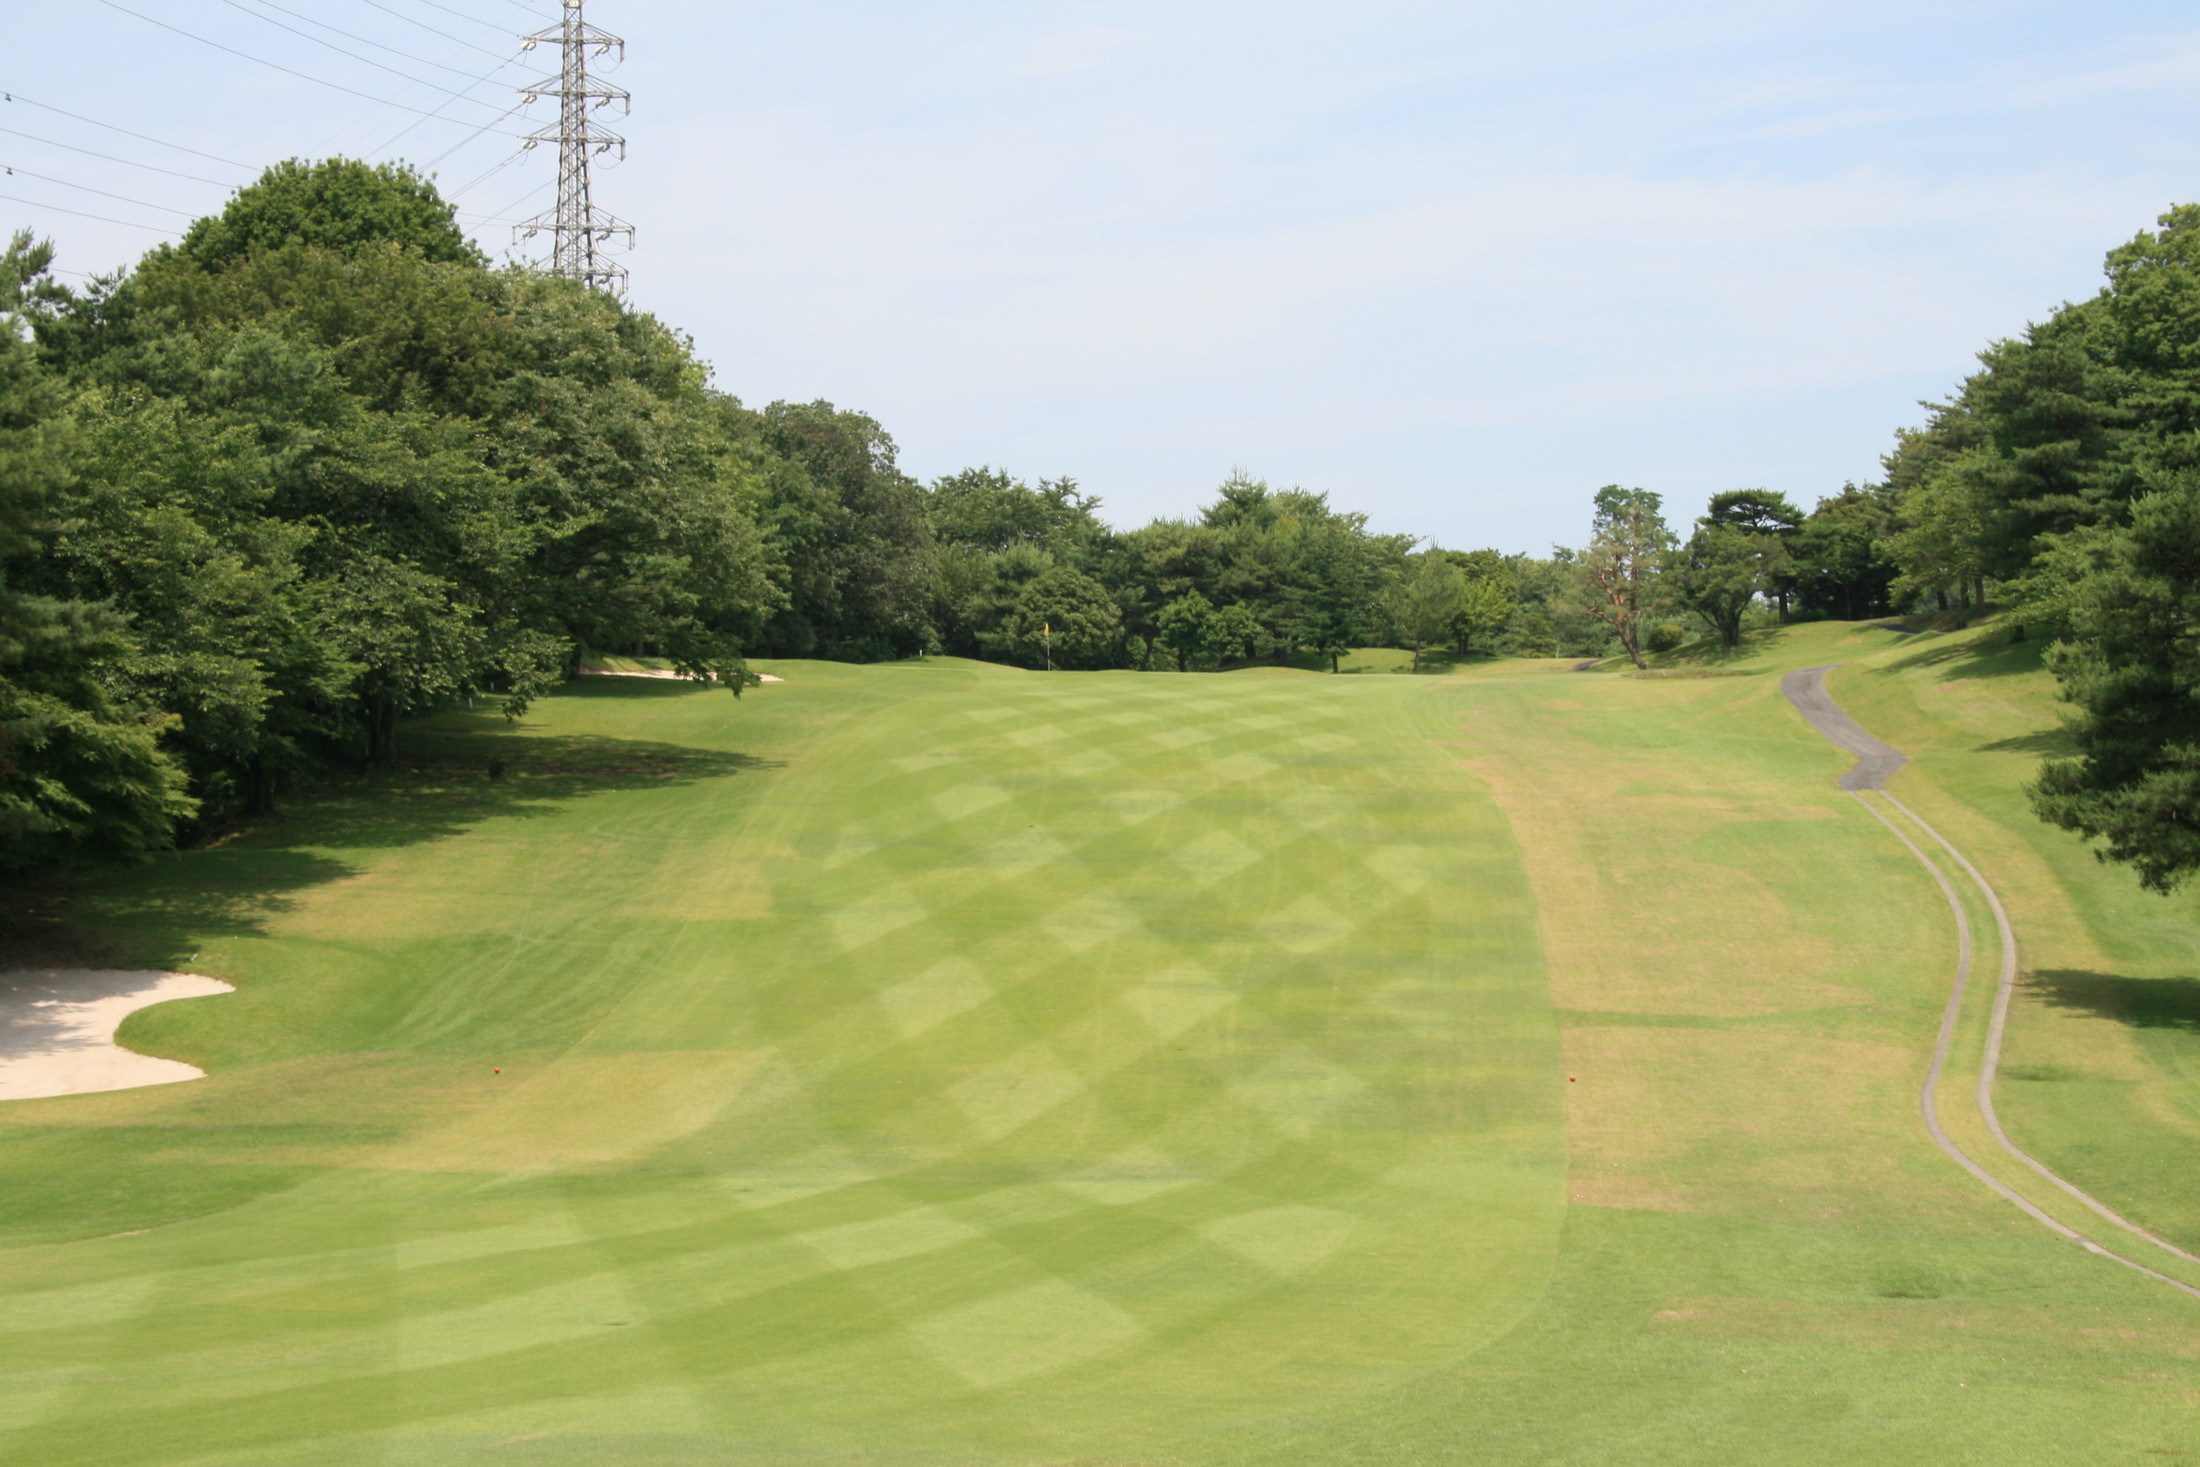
[[576, 226]]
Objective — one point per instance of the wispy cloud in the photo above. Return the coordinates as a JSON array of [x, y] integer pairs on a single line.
[[1459, 260]]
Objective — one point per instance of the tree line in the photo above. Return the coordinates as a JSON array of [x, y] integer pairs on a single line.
[[2058, 485], [319, 466]]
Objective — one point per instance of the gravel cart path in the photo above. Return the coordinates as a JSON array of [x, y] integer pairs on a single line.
[[1875, 762]]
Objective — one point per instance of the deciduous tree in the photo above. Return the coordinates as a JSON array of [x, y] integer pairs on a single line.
[[1423, 604], [1619, 572]]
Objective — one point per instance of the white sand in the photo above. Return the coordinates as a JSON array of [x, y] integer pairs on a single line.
[[593, 671], [57, 1030]]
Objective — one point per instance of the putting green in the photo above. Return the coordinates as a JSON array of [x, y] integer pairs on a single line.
[[911, 1064]]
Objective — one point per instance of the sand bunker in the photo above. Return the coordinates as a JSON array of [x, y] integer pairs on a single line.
[[589, 669], [57, 1030]]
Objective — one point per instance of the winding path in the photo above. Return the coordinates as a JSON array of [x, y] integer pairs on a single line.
[[1875, 761]]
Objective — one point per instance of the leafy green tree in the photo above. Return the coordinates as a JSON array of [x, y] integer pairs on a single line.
[[1841, 565], [1147, 568], [1549, 617], [1489, 596], [167, 523], [1486, 606], [341, 205], [850, 531], [1756, 511], [1619, 572], [2066, 425], [988, 510], [2131, 665], [336, 471], [1231, 632], [1070, 613], [1939, 544], [1336, 573], [1182, 628], [81, 767], [1772, 515], [1423, 605], [1719, 572]]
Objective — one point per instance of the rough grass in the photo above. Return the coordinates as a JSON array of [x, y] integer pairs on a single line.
[[2104, 1050], [938, 1064]]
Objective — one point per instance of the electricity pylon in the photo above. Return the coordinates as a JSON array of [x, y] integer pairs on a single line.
[[577, 228]]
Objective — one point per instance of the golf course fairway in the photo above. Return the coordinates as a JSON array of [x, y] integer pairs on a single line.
[[936, 1063]]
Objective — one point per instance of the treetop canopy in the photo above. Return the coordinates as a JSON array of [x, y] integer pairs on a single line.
[[341, 204]]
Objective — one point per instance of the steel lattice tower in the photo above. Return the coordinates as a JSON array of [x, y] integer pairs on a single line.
[[577, 228]]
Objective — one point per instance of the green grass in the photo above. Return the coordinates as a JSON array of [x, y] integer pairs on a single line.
[[924, 1058], [2105, 1045], [939, 1064], [1435, 662]]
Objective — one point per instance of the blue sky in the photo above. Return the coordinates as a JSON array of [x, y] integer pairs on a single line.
[[1457, 264]]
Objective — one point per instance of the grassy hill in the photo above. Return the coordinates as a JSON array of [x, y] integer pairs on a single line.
[[935, 1063]]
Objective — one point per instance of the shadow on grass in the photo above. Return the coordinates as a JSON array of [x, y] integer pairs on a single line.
[[1992, 657], [158, 912], [2142, 1003], [2048, 743], [1712, 653], [443, 784]]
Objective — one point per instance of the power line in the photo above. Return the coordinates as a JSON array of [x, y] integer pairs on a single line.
[[431, 30], [441, 108], [354, 55], [111, 158], [11, 170], [483, 177], [477, 20], [477, 132], [278, 66], [523, 198], [370, 41], [79, 213], [141, 137]]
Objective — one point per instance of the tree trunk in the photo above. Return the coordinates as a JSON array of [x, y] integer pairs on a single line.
[[1634, 653], [259, 788], [382, 731]]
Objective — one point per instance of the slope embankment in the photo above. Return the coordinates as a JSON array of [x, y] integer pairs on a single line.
[[1875, 763]]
